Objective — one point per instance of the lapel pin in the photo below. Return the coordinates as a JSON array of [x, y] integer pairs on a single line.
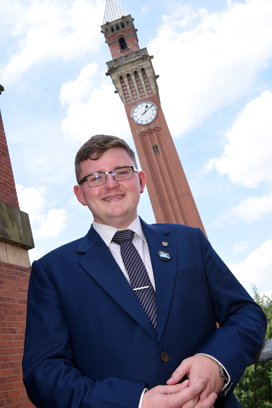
[[165, 244], [164, 256]]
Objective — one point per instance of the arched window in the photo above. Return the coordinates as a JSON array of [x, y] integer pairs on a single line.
[[122, 43]]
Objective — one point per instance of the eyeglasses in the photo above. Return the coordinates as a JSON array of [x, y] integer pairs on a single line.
[[100, 178]]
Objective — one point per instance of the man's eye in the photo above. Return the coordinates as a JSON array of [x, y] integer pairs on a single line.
[[95, 177], [122, 172]]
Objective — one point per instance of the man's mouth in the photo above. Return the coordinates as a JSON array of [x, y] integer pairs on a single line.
[[113, 198]]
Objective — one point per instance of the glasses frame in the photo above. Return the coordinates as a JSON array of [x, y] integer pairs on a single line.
[[105, 173]]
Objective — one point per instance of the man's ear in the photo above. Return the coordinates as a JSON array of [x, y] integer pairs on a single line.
[[142, 179], [79, 195]]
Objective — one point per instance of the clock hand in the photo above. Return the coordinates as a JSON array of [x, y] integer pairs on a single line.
[[147, 109]]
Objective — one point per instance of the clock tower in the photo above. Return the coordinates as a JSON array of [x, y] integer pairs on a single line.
[[133, 75]]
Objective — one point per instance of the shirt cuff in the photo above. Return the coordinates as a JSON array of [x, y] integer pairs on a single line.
[[228, 384], [142, 396]]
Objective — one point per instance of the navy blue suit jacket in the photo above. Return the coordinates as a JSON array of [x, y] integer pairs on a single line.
[[89, 344]]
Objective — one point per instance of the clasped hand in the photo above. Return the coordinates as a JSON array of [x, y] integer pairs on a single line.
[[199, 391]]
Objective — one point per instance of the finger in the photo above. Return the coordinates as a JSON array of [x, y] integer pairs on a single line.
[[180, 372], [173, 389], [207, 390], [204, 403], [184, 384], [207, 402], [190, 404], [190, 393]]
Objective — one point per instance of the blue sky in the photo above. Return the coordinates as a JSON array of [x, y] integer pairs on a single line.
[[214, 61]]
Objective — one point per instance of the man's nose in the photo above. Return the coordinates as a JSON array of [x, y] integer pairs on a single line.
[[111, 182]]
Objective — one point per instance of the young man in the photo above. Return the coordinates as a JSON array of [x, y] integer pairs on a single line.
[[120, 318]]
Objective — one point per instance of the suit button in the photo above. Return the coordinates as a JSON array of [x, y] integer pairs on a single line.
[[164, 357]]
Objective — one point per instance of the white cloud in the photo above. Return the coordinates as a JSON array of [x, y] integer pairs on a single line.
[[253, 208], [12, 14], [240, 247], [54, 222], [256, 268], [31, 201], [250, 209], [44, 224], [80, 89], [247, 157], [214, 58], [54, 29], [93, 108]]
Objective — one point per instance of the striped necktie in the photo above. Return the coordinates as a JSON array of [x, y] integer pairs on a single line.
[[139, 279]]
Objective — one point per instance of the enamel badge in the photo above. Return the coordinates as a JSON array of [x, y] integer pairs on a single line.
[[164, 256]]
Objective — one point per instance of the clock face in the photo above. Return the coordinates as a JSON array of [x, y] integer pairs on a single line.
[[144, 113]]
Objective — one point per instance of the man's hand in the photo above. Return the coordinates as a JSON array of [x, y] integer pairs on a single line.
[[179, 396], [197, 367]]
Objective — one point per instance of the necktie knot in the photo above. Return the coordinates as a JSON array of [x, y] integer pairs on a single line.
[[121, 236]]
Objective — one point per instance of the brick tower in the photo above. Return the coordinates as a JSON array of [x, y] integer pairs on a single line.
[[15, 240], [132, 73]]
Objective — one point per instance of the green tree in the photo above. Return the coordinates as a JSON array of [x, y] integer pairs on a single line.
[[255, 386]]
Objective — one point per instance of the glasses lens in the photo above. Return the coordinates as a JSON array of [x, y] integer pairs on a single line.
[[124, 173], [96, 179]]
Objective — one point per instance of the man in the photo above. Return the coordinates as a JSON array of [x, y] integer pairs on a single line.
[[96, 339]]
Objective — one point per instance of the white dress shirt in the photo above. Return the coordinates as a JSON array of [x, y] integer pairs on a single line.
[[139, 241]]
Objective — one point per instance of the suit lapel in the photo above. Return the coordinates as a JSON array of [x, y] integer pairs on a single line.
[[99, 263], [164, 272]]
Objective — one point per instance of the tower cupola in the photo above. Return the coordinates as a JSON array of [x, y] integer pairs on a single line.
[[119, 31]]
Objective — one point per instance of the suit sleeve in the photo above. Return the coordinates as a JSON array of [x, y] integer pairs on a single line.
[[242, 322], [50, 375]]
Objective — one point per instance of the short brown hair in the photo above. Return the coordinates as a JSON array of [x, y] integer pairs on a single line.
[[97, 145]]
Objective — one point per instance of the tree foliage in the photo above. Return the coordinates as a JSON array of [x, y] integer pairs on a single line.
[[255, 387]]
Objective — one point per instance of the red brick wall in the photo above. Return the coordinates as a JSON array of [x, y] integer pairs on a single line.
[[13, 295], [8, 193]]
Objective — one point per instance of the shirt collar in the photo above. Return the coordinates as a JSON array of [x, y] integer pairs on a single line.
[[107, 232]]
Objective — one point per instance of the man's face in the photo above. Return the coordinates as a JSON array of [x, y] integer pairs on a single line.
[[115, 202]]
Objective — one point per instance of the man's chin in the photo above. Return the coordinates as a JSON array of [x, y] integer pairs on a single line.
[[120, 220]]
